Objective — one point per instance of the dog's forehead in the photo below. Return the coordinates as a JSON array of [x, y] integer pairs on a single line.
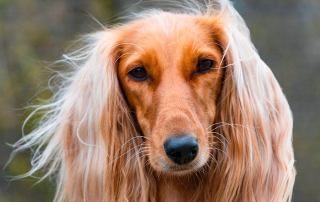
[[165, 32]]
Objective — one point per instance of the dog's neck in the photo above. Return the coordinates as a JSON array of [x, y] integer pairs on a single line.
[[180, 189]]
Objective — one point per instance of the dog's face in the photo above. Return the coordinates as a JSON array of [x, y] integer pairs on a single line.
[[171, 75]]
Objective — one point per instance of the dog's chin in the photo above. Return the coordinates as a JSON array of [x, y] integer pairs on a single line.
[[179, 170]]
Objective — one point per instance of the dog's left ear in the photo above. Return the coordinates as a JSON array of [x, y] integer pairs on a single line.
[[254, 118]]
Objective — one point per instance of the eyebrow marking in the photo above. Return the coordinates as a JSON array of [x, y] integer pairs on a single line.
[[144, 52], [207, 44], [124, 55]]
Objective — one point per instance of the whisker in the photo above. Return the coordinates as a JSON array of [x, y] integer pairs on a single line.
[[135, 154], [219, 135], [146, 154], [215, 148], [224, 144], [124, 154], [214, 159], [232, 125], [128, 142]]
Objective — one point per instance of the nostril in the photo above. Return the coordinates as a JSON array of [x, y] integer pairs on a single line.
[[176, 154], [194, 152], [181, 149]]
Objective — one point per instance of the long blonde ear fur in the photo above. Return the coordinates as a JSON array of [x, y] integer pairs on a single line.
[[87, 136], [254, 120]]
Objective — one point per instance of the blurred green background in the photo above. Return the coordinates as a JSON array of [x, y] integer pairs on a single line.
[[285, 32]]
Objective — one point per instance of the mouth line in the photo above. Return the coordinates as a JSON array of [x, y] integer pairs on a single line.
[[183, 168], [180, 168]]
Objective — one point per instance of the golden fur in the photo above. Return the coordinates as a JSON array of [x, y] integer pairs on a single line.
[[103, 133]]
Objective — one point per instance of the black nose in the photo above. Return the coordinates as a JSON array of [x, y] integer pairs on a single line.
[[181, 149]]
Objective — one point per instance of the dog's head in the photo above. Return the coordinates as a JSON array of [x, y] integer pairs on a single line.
[[170, 68], [180, 92]]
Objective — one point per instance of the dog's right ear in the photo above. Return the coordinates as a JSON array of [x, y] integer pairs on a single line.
[[93, 109], [87, 133]]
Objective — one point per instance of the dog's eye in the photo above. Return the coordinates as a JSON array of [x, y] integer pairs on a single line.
[[138, 74], [204, 66]]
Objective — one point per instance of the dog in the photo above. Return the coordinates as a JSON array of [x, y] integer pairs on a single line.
[[170, 106]]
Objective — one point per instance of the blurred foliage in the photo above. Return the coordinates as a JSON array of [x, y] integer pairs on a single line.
[[286, 33]]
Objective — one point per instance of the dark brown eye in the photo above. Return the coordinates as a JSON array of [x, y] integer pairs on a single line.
[[138, 74], [205, 65]]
